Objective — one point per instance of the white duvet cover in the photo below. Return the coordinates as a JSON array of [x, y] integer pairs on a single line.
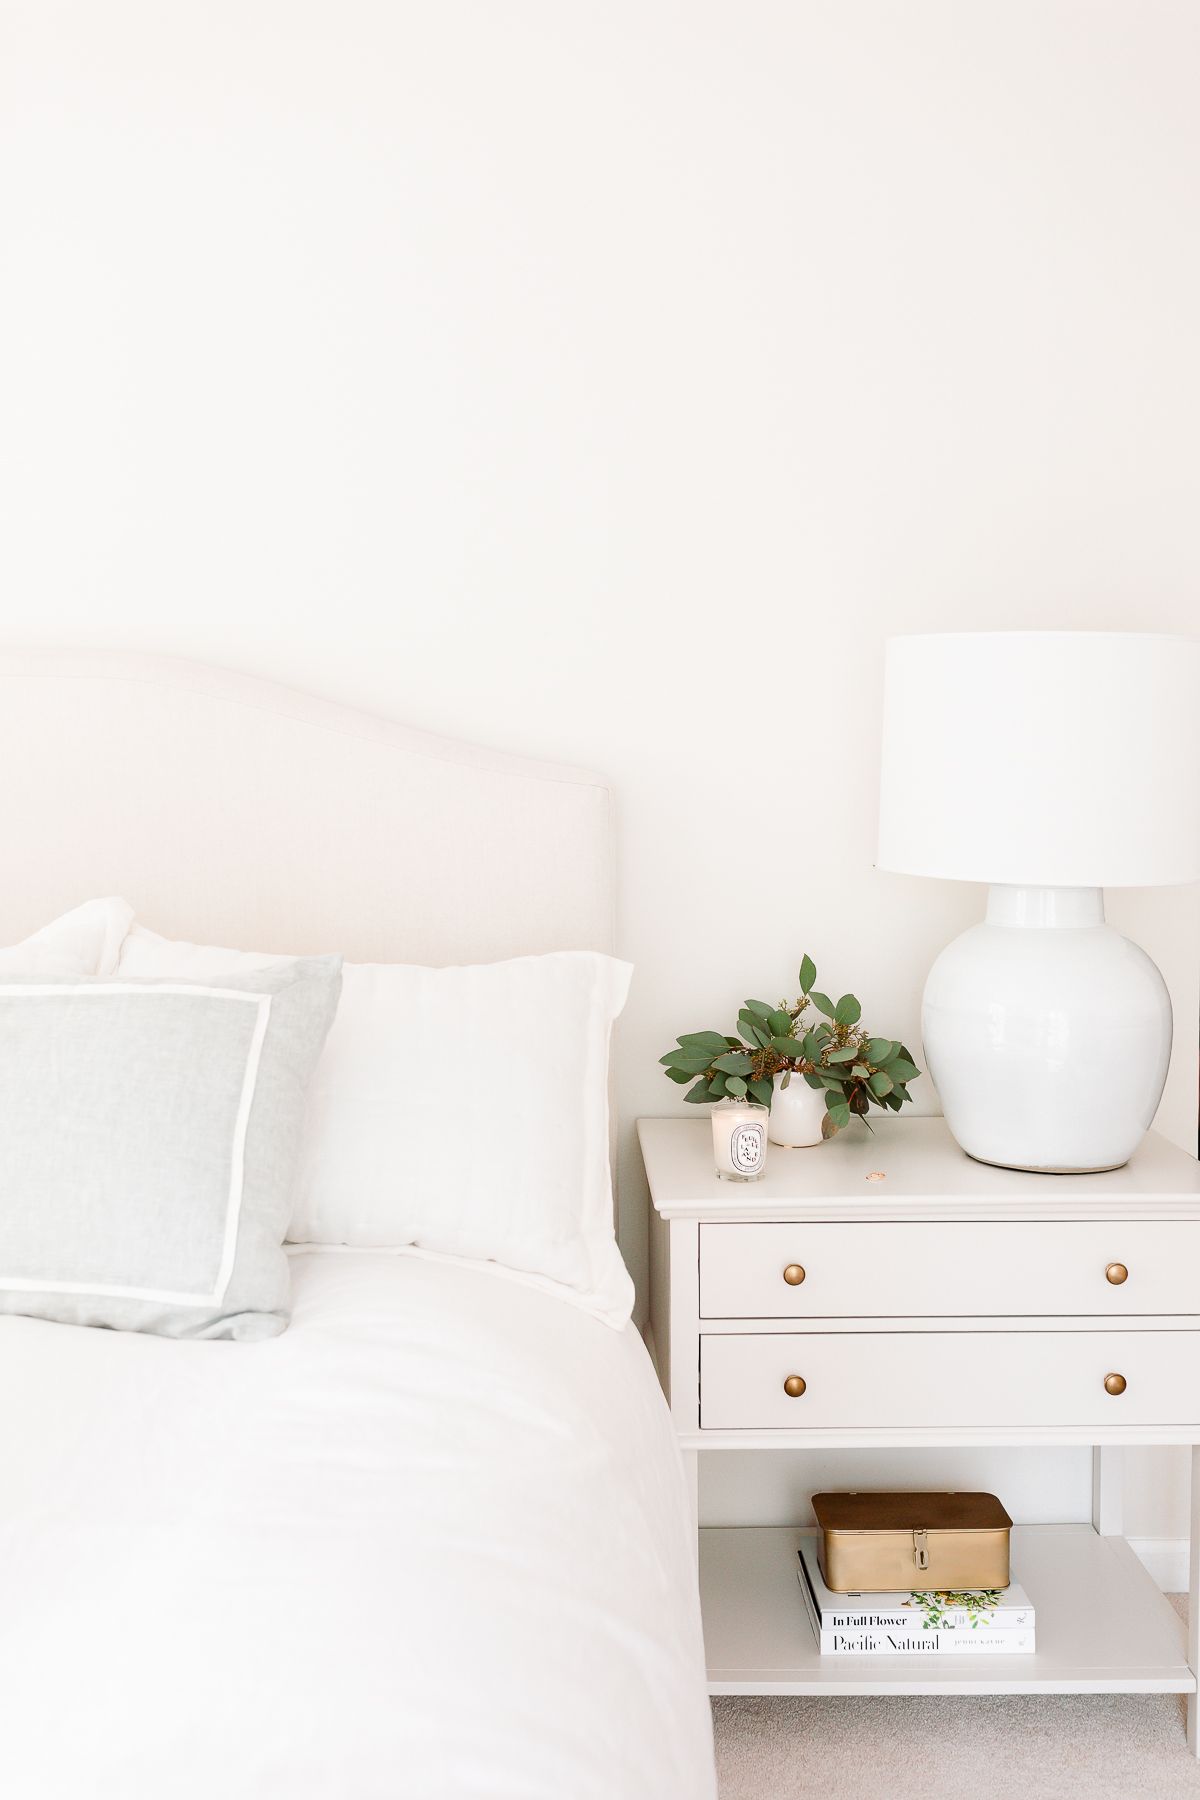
[[430, 1544]]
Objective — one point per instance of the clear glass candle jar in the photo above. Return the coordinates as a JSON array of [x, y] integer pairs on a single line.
[[739, 1129]]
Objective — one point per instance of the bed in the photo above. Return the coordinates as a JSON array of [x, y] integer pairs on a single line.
[[431, 1542]]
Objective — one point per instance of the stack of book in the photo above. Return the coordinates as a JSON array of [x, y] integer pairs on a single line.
[[994, 1622]]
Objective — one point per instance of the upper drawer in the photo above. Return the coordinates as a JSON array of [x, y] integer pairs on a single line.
[[876, 1270]]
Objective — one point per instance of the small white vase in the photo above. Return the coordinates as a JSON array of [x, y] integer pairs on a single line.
[[797, 1113]]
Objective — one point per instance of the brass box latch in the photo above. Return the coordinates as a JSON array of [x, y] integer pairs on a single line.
[[921, 1549]]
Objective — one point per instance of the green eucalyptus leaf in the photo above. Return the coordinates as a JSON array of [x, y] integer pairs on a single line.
[[814, 1081], [716, 1088], [900, 1069], [881, 1050], [734, 1062], [880, 1084], [847, 1053], [808, 974], [759, 1008], [847, 1011], [703, 1040], [763, 1091], [735, 1086], [824, 1004], [780, 1023], [679, 1075], [786, 1046], [699, 1094], [684, 1059], [838, 1114]]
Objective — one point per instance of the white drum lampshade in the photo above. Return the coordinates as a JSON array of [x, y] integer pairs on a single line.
[[1050, 765]]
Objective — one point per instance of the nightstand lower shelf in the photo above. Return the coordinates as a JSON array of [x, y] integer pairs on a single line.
[[1102, 1624]]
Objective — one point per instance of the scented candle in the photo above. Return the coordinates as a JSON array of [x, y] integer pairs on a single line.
[[739, 1129]]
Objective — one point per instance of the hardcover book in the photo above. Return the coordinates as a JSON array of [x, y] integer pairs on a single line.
[[997, 1621]]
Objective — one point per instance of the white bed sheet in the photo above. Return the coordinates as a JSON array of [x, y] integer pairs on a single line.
[[430, 1544]]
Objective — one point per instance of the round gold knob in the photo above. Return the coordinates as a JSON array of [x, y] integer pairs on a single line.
[[1116, 1273], [796, 1384], [1114, 1384], [794, 1274]]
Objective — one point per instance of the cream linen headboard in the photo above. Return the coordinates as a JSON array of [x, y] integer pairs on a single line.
[[232, 811]]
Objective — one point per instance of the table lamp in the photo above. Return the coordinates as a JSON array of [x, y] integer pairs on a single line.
[[1051, 765]]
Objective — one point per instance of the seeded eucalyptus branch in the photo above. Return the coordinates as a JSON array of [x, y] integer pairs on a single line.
[[821, 1039]]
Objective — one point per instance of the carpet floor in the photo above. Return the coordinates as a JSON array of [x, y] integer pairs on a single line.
[[1038, 1747]]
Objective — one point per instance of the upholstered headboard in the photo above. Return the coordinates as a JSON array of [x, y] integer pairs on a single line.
[[229, 810]]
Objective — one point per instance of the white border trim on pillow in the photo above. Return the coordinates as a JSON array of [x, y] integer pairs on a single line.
[[233, 1207]]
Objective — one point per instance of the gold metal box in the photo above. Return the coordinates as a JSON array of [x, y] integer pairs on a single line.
[[884, 1543]]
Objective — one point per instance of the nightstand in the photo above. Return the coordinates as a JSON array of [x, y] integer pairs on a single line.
[[884, 1290]]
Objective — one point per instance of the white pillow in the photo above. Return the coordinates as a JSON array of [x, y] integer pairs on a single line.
[[85, 941], [460, 1110]]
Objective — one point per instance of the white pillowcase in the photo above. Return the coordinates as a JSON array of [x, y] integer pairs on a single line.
[[85, 941], [463, 1111]]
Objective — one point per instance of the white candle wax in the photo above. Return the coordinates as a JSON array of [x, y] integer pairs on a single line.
[[739, 1130]]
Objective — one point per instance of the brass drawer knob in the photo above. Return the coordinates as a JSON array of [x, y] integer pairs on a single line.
[[1116, 1273], [794, 1274], [795, 1385], [1114, 1384]]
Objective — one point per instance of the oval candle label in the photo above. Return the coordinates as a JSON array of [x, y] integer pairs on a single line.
[[747, 1148]]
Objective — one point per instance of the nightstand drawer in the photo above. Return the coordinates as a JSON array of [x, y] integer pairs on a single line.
[[792, 1380], [954, 1269]]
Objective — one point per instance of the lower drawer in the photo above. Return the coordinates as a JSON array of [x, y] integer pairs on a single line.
[[790, 1380]]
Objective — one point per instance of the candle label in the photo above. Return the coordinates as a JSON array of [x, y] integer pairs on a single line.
[[748, 1148]]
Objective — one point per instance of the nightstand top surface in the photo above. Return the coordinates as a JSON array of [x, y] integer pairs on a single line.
[[904, 1168]]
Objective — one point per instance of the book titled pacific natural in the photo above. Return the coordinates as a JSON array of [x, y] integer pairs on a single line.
[[992, 1621]]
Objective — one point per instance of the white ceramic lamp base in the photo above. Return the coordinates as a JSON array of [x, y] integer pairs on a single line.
[[1047, 1034]]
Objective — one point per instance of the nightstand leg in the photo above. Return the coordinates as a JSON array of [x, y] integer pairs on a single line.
[[1108, 1484], [1193, 1705], [691, 1468]]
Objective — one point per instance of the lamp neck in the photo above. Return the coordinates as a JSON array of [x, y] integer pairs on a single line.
[[1045, 908]]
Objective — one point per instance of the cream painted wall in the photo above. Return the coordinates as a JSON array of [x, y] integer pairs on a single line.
[[605, 381]]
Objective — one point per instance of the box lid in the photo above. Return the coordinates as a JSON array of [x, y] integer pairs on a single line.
[[909, 1512]]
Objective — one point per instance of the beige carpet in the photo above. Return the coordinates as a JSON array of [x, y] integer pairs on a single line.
[[1058, 1747]]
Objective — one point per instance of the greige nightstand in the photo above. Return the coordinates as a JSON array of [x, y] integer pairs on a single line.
[[884, 1290]]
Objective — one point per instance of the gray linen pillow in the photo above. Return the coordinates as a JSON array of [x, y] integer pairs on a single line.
[[149, 1134]]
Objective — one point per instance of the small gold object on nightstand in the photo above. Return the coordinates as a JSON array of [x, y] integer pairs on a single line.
[[794, 1274], [795, 1386], [1114, 1384], [880, 1542], [1116, 1273]]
